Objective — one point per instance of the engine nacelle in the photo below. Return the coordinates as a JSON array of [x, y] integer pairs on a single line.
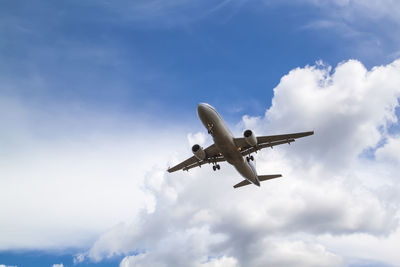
[[198, 152], [250, 138]]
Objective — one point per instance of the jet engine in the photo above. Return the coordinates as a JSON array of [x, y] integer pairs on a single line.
[[250, 138], [198, 152]]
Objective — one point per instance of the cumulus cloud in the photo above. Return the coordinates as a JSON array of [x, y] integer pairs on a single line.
[[390, 151], [141, 260], [348, 109], [197, 138], [66, 177], [331, 189], [78, 258]]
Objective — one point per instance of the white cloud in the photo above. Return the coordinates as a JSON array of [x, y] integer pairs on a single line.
[[58, 265], [78, 258], [65, 178], [141, 260], [347, 109], [390, 151], [197, 138], [297, 253], [330, 194], [221, 262], [366, 247]]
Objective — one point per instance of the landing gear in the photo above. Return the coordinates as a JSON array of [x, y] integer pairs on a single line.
[[250, 158], [216, 167], [210, 128]]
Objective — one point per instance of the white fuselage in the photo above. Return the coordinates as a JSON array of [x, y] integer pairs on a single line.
[[225, 143]]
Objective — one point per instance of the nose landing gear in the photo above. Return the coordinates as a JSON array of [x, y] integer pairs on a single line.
[[250, 158], [210, 128]]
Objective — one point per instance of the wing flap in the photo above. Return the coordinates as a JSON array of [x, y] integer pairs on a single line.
[[280, 137], [261, 146], [268, 141], [200, 163], [190, 161]]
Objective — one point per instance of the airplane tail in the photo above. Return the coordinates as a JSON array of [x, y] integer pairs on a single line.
[[268, 177], [260, 178]]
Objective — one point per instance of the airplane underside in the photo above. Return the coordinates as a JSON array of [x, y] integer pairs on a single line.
[[236, 151]]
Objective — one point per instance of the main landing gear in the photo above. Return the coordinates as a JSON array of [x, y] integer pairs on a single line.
[[216, 167], [250, 158]]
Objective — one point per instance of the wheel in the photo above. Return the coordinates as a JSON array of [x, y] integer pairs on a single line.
[[251, 158], [218, 167], [214, 167], [248, 159]]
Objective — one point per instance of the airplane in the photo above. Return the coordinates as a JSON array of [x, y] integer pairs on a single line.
[[231, 149]]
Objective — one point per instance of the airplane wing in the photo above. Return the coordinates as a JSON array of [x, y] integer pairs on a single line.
[[212, 155], [268, 141]]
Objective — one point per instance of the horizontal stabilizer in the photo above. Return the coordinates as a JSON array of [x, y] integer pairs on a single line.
[[260, 178], [242, 183], [268, 177]]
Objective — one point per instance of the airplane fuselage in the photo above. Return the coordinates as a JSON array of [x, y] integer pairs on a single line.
[[225, 142]]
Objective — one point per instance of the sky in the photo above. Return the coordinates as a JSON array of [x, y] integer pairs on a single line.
[[98, 98]]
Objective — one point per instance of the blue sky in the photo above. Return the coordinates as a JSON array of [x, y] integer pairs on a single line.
[[76, 70], [43, 258], [123, 57]]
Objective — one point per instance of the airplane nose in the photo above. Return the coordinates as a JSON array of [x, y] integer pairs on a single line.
[[201, 107]]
